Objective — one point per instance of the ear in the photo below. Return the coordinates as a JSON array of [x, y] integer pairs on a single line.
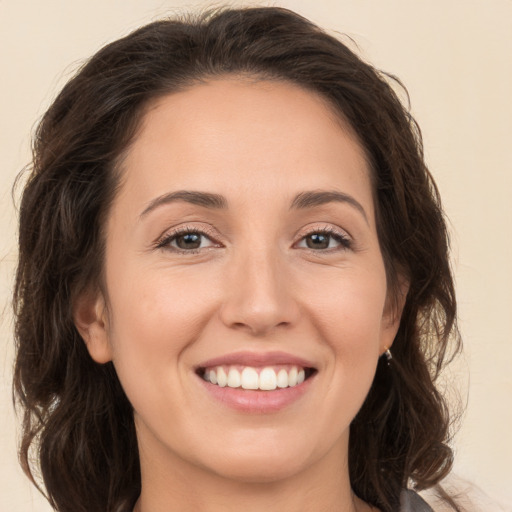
[[90, 318], [393, 314]]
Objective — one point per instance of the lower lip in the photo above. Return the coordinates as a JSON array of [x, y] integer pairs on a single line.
[[259, 402]]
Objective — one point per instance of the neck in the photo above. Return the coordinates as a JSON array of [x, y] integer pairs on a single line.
[[178, 485]]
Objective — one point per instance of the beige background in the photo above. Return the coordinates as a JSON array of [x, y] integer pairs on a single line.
[[455, 57]]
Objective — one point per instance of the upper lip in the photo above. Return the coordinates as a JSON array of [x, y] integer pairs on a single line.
[[245, 358]]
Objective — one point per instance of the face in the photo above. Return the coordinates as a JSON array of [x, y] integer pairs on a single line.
[[242, 249]]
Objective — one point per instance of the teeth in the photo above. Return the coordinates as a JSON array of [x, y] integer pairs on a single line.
[[292, 377], [222, 378], [249, 378], [282, 379], [265, 379], [268, 379], [234, 379]]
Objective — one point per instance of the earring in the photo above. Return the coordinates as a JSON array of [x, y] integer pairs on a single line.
[[388, 355]]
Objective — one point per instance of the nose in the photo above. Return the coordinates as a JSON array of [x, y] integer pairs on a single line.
[[259, 293]]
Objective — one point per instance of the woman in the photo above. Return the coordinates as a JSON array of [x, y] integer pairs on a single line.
[[233, 288]]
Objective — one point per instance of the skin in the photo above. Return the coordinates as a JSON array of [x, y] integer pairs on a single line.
[[254, 284]]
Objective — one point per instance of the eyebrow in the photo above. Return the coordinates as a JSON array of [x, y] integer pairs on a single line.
[[302, 201]]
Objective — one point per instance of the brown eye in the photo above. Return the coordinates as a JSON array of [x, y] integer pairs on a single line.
[[188, 241], [326, 239], [318, 241]]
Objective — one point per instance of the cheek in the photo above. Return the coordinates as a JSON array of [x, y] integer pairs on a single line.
[[154, 318], [156, 303], [156, 314], [349, 317], [349, 309]]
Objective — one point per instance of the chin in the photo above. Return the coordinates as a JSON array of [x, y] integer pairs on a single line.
[[261, 462], [259, 469]]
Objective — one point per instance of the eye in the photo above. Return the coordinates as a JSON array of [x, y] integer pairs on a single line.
[[186, 240], [325, 239]]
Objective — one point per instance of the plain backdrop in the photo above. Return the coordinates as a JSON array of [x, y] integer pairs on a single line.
[[454, 56]]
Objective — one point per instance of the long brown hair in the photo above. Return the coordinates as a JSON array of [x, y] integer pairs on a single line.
[[77, 422]]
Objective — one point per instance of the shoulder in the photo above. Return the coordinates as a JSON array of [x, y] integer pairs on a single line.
[[468, 497]]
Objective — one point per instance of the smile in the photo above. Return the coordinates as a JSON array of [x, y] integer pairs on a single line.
[[257, 383], [266, 378]]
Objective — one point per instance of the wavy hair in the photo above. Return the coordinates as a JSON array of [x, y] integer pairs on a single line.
[[78, 430]]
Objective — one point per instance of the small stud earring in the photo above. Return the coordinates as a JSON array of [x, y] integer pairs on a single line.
[[388, 354]]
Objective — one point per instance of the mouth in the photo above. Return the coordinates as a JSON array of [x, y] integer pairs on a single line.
[[261, 378], [257, 383]]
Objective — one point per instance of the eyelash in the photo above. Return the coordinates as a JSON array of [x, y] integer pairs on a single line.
[[164, 242]]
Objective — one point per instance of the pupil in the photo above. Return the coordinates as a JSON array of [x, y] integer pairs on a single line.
[[319, 241], [190, 239]]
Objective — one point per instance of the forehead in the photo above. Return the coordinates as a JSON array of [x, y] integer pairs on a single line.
[[239, 136]]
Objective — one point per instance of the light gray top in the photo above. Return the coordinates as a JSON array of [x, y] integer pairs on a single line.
[[411, 501]]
